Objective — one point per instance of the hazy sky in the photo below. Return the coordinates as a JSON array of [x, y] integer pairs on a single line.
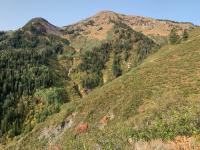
[[15, 13]]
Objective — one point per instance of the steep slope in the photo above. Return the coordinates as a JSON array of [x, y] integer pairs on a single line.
[[31, 87], [159, 99], [92, 31], [123, 50], [40, 71]]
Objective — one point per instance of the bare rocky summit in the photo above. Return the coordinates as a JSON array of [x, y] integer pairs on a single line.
[[99, 24]]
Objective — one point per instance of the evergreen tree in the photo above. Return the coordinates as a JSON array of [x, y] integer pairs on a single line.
[[24, 68], [185, 35], [174, 37], [117, 71]]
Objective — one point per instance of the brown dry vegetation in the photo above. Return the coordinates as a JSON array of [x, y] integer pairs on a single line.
[[101, 24]]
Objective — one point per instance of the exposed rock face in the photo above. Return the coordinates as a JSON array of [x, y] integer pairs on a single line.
[[52, 133]]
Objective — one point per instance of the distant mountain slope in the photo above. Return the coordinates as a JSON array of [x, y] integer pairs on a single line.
[[101, 23], [91, 31], [40, 25], [159, 99]]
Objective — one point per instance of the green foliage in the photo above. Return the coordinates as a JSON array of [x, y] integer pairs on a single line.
[[174, 37], [52, 95], [123, 39], [92, 81], [93, 62], [85, 44], [147, 103], [38, 29], [24, 68], [43, 115], [185, 35], [146, 47], [23, 39], [127, 38], [122, 44], [182, 126], [117, 71], [2, 33]]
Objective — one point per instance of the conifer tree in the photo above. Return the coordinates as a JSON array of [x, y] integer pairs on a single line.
[[185, 35], [174, 37], [117, 71]]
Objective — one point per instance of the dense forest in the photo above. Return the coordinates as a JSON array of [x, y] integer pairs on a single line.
[[24, 68], [124, 42]]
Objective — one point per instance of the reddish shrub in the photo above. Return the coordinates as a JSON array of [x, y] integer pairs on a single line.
[[81, 128]]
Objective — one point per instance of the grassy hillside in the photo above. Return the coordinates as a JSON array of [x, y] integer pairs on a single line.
[[40, 71], [159, 99]]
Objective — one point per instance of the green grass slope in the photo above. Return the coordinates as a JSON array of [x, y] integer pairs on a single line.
[[159, 99]]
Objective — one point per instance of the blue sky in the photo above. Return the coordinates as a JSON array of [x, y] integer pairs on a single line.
[[15, 13]]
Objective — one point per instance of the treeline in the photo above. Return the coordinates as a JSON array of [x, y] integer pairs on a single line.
[[93, 62], [124, 42], [28, 39], [175, 38], [23, 69]]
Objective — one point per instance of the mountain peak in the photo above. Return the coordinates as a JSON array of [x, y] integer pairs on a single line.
[[35, 21], [41, 25], [146, 25], [107, 12], [38, 19]]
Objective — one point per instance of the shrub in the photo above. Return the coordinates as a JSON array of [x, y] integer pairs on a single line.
[[117, 71], [174, 37], [52, 95], [182, 126], [92, 81], [185, 35], [93, 62]]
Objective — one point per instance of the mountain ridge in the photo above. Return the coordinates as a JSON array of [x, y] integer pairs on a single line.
[[146, 25], [135, 22]]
